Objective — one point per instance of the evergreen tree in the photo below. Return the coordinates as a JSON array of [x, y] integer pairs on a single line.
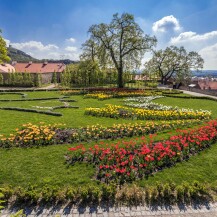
[[37, 80], [13, 78], [9, 79], [54, 79], [30, 80], [1, 80], [25, 79]]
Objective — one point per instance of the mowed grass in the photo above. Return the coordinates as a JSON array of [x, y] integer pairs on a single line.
[[46, 165], [10, 120]]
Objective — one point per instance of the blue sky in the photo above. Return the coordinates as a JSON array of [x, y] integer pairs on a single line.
[[53, 28]]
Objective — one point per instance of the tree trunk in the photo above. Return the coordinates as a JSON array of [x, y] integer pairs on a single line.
[[163, 80], [120, 77]]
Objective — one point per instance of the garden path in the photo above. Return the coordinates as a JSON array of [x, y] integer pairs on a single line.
[[198, 94], [205, 210]]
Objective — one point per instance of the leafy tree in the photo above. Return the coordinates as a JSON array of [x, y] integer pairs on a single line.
[[121, 44], [89, 72], [86, 73], [173, 61], [3, 51], [90, 50]]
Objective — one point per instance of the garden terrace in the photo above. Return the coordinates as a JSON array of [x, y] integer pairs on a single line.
[[45, 168]]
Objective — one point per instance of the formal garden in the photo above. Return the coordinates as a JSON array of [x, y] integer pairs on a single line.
[[123, 146]]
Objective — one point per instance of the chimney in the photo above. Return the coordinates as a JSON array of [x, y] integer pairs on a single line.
[[14, 63]]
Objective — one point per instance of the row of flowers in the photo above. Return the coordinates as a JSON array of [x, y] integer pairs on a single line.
[[142, 99], [30, 135], [116, 93], [114, 111], [99, 96], [41, 135], [146, 103], [128, 160]]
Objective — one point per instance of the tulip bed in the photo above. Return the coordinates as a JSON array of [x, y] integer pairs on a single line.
[[146, 103], [99, 96], [114, 111], [127, 160], [109, 93], [32, 135]]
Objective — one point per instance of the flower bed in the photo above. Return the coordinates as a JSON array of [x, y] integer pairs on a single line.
[[97, 132], [146, 103], [114, 111], [99, 96], [30, 135], [40, 135], [128, 160], [71, 92]]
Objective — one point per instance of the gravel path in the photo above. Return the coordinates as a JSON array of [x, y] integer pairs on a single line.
[[198, 94]]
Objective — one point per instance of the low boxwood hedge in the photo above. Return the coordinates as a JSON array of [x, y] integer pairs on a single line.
[[31, 110]]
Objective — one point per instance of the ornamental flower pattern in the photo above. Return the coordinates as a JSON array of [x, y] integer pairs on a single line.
[[115, 111], [128, 160]]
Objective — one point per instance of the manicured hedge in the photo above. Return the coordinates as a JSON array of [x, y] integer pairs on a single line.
[[32, 99], [63, 107], [31, 110], [132, 195], [190, 97], [67, 100]]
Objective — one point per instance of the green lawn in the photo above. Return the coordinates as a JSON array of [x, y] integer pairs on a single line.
[[47, 164]]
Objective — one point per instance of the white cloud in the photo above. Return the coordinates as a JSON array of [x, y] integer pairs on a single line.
[[209, 54], [71, 48], [166, 24], [193, 41], [72, 40], [35, 45], [193, 37], [205, 44], [47, 51]]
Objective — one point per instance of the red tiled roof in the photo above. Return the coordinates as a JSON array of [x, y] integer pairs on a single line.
[[6, 68], [39, 67]]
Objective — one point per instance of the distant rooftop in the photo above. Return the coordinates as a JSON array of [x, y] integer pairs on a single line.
[[45, 67], [6, 68]]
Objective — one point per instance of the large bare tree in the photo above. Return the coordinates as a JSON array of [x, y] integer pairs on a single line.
[[121, 43], [173, 61]]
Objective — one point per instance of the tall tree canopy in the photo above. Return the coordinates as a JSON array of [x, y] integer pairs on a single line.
[[173, 61], [3, 51], [120, 44]]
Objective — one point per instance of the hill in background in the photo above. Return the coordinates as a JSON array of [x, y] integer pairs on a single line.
[[20, 56]]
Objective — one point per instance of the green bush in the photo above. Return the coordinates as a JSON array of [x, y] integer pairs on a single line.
[[159, 194]]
